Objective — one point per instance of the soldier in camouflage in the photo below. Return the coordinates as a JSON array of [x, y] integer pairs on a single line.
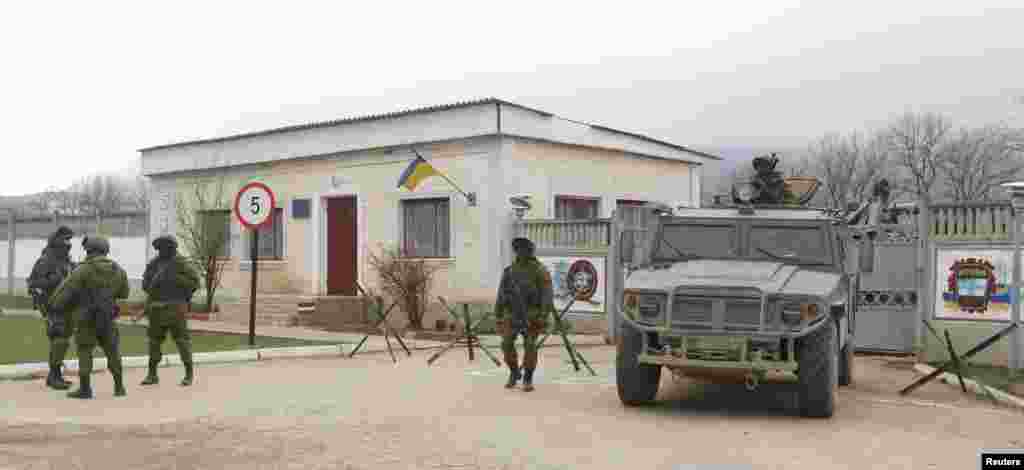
[[91, 292], [48, 272], [525, 298], [169, 282]]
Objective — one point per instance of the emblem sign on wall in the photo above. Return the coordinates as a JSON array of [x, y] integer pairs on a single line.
[[584, 275], [973, 284]]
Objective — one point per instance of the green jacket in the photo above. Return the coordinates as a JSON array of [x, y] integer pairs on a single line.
[[170, 281], [535, 290], [96, 272]]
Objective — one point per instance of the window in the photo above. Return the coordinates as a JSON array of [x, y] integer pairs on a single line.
[[802, 243], [425, 228], [215, 226], [271, 238], [575, 208], [704, 240]]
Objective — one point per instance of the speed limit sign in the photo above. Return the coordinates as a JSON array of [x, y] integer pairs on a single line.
[[254, 205]]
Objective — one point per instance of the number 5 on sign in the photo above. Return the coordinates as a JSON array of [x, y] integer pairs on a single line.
[[254, 205]]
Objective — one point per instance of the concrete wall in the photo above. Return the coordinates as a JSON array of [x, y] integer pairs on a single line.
[[491, 167], [129, 252], [371, 176], [546, 170]]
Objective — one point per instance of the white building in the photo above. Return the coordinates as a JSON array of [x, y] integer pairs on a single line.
[[335, 184]]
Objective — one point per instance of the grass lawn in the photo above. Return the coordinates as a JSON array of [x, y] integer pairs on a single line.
[[23, 339], [996, 377]]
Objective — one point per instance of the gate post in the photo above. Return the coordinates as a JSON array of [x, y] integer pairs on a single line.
[[614, 261], [924, 271], [1017, 204]]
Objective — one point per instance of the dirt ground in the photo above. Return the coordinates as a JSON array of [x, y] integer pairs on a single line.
[[366, 413]]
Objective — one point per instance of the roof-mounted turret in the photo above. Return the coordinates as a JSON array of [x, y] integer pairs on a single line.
[[769, 187]]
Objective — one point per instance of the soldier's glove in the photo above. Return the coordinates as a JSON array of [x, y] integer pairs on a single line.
[[501, 326]]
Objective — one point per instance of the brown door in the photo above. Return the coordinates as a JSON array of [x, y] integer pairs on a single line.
[[341, 246]]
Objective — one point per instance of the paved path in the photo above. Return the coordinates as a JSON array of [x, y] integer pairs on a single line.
[[366, 413]]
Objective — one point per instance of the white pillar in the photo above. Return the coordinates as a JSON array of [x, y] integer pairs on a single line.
[[1017, 199], [1015, 337]]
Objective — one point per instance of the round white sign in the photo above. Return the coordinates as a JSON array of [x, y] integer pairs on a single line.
[[254, 205]]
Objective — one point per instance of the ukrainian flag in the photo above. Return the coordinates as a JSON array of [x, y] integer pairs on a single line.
[[417, 171]]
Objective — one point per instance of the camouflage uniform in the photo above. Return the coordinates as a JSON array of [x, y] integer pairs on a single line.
[[525, 298], [91, 292], [48, 272], [169, 282]]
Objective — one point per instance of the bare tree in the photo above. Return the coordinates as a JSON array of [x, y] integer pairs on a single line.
[[203, 217], [978, 161], [406, 280], [139, 192], [69, 202], [45, 202], [849, 166], [919, 143], [100, 195]]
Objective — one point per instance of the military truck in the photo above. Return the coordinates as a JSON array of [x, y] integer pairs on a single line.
[[758, 289]]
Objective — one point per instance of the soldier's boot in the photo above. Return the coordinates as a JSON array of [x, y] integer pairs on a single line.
[[116, 370], [528, 380], [513, 377], [55, 380], [189, 369], [119, 390], [151, 377], [155, 355], [84, 374], [185, 350]]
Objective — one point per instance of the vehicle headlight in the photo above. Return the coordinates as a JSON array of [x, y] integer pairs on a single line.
[[795, 313], [644, 307], [745, 192]]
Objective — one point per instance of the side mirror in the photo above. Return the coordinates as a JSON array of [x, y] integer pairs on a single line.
[[866, 252], [852, 262]]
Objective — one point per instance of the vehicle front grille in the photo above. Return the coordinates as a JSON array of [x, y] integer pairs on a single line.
[[692, 309], [742, 312]]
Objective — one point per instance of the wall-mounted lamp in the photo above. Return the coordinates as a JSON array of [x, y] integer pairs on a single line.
[[520, 204]]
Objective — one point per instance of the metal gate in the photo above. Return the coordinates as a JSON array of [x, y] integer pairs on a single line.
[[890, 290]]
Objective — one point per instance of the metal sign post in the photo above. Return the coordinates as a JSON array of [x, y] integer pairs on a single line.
[[254, 208]]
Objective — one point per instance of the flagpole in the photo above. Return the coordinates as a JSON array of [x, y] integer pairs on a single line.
[[470, 198]]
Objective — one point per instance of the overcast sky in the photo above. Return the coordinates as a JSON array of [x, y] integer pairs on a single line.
[[84, 85]]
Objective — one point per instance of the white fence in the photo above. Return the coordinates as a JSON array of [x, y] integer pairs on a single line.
[[129, 252]]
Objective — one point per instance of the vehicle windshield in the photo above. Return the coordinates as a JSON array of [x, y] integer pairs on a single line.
[[804, 245], [795, 245], [688, 241]]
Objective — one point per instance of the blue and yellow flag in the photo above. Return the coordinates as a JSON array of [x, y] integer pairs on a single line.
[[417, 171]]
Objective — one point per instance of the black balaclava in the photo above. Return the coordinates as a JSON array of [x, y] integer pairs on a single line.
[[166, 246], [523, 248], [60, 242]]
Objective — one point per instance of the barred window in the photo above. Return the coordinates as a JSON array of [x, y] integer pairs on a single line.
[[426, 228], [576, 207], [271, 243]]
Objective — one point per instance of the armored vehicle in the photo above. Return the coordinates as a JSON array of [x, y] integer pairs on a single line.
[[760, 289]]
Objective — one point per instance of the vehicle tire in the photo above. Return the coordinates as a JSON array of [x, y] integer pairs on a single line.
[[846, 364], [817, 371], [637, 383]]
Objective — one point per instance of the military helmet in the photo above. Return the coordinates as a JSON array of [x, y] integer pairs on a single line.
[[63, 232], [165, 240], [522, 243], [96, 245]]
